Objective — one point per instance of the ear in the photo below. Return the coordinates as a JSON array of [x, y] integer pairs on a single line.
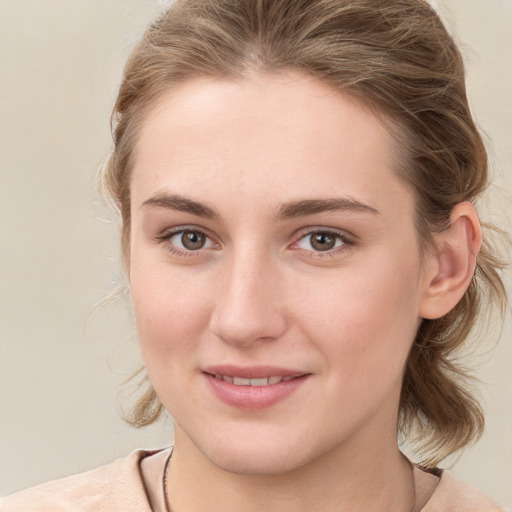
[[449, 271]]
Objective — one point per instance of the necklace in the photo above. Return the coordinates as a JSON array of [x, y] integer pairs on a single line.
[[164, 481]]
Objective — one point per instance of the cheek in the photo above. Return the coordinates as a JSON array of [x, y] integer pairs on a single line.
[[170, 311], [365, 321]]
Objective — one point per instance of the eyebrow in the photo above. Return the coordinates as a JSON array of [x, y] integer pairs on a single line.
[[181, 204], [330, 204], [289, 210]]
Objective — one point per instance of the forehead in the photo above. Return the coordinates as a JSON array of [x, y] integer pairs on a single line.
[[278, 137]]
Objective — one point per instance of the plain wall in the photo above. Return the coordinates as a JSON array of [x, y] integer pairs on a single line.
[[62, 362]]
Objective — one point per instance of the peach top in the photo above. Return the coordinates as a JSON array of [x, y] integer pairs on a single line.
[[135, 484]]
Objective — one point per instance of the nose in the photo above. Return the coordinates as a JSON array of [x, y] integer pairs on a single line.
[[249, 306]]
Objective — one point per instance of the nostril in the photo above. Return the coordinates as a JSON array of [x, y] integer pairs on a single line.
[[237, 326]]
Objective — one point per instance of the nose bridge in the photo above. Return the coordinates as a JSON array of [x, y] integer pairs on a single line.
[[248, 306]]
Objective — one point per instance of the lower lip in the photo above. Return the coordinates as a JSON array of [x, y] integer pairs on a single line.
[[253, 397]]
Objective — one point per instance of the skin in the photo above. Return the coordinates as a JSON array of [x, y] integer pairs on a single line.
[[258, 291]]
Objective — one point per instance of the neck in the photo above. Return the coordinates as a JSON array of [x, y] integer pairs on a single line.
[[347, 478]]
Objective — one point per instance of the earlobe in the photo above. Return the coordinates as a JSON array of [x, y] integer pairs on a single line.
[[451, 268]]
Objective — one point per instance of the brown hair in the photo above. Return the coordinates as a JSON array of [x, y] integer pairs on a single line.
[[395, 57]]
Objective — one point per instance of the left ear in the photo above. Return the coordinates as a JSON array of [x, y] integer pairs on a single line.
[[449, 271]]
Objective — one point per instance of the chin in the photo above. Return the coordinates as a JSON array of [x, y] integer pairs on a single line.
[[258, 455], [247, 462]]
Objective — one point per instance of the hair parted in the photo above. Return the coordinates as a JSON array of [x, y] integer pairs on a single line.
[[397, 58]]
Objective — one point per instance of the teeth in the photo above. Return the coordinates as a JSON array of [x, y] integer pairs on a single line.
[[264, 381], [239, 381], [259, 382]]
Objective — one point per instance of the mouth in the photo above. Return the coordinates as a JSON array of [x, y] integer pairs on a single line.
[[257, 382], [256, 387]]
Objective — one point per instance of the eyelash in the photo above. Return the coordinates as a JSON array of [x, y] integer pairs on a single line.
[[346, 241]]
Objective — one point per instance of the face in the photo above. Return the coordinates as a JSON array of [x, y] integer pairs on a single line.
[[275, 271]]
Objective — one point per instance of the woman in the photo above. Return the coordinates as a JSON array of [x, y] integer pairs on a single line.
[[296, 181]]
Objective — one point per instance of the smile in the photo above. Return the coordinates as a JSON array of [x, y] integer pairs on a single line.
[[253, 388], [264, 381]]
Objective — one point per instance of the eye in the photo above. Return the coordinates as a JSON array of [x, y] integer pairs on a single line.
[[321, 241], [188, 240]]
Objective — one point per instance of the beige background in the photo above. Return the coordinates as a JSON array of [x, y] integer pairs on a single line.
[[61, 365]]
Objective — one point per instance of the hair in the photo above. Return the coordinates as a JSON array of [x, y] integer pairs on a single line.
[[396, 58]]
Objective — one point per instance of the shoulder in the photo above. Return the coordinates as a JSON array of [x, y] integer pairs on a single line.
[[452, 495], [115, 486]]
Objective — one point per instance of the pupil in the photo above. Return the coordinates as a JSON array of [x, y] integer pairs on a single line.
[[322, 241], [192, 240]]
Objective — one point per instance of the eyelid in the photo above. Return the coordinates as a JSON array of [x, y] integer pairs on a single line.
[[168, 232]]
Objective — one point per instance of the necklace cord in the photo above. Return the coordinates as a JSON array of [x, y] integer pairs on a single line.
[[164, 482]]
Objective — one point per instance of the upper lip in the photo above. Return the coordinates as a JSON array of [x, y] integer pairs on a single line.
[[252, 372]]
